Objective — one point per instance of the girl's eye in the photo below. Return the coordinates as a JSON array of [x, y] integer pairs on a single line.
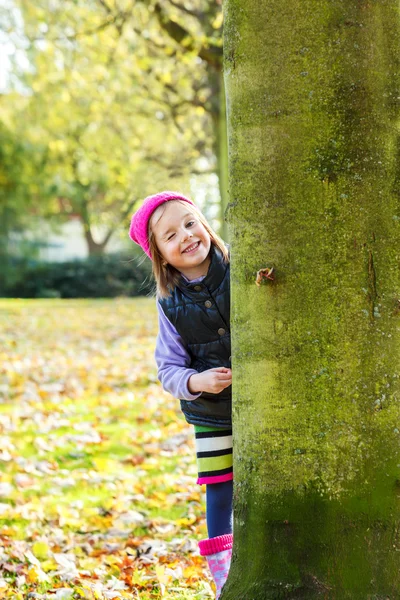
[[171, 236], [190, 224]]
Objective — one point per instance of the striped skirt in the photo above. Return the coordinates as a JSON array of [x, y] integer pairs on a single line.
[[214, 454]]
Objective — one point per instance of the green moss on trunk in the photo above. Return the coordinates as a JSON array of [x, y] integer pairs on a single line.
[[313, 96]]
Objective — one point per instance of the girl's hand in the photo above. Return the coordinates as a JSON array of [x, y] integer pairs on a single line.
[[212, 381]]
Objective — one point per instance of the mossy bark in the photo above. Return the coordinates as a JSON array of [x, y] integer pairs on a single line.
[[222, 144], [313, 102], [218, 114]]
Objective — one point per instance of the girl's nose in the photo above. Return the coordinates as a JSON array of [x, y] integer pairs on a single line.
[[186, 234]]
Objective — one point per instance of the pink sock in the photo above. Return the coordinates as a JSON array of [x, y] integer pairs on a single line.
[[218, 552]]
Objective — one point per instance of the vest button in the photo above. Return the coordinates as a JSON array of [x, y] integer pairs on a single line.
[[198, 288], [208, 303], [221, 331]]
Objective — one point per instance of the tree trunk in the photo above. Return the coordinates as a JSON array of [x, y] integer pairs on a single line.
[[216, 107], [218, 115], [313, 101], [222, 154], [94, 248]]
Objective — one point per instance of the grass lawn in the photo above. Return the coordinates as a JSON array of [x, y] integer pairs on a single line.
[[98, 498]]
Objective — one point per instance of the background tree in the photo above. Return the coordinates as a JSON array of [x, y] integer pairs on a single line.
[[114, 99], [313, 97], [206, 41], [90, 73], [20, 162]]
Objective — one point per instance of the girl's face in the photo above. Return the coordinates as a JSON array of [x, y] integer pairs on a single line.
[[181, 238]]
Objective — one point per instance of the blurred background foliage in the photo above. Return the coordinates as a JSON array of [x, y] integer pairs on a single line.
[[103, 103], [106, 276]]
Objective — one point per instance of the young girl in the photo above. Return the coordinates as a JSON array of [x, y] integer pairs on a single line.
[[191, 268]]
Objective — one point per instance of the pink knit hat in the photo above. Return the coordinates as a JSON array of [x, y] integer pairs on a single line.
[[139, 229]]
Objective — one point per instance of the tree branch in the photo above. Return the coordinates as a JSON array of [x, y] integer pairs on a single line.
[[211, 54], [193, 13], [109, 21]]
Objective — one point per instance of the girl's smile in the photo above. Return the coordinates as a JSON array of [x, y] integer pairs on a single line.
[[192, 247], [181, 238]]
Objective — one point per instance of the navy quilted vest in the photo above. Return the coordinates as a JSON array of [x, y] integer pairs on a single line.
[[200, 312]]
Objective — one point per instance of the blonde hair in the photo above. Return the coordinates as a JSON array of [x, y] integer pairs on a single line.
[[166, 276]]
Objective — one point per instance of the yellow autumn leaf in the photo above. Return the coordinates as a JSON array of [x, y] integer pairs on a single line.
[[191, 572], [32, 575], [40, 550], [115, 571], [164, 578], [111, 560], [49, 565], [8, 531], [80, 592], [88, 564], [84, 592], [106, 465], [186, 521]]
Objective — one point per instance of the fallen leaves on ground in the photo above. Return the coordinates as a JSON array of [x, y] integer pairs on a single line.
[[98, 498]]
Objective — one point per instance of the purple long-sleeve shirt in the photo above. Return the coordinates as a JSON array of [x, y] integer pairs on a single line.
[[172, 359]]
